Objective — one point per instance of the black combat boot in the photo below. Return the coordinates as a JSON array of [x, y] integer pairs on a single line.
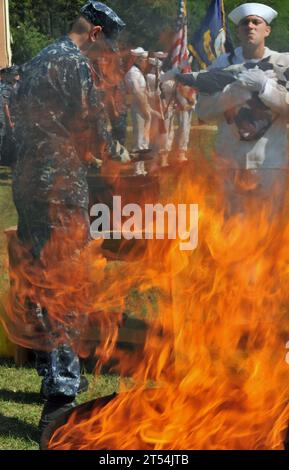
[[53, 409]]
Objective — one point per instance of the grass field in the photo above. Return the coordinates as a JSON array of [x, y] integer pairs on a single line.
[[20, 404]]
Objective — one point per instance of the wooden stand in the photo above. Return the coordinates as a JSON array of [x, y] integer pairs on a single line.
[[20, 353]]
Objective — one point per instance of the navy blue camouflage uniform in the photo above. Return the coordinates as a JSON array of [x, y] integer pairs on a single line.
[[4, 99], [57, 107], [8, 93]]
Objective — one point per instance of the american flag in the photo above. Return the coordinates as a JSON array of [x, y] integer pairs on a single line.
[[180, 51]]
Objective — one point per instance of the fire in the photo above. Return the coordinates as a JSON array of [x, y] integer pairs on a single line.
[[68, 289], [213, 373]]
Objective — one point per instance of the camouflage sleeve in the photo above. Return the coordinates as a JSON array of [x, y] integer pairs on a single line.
[[6, 94], [93, 106], [78, 89]]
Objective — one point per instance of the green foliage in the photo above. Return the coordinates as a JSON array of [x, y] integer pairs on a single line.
[[27, 42], [147, 20]]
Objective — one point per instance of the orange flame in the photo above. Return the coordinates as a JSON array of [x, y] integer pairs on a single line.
[[213, 373]]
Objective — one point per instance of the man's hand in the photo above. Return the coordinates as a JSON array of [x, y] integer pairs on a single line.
[[124, 155], [255, 79], [156, 114], [146, 115], [96, 163], [91, 160], [170, 75]]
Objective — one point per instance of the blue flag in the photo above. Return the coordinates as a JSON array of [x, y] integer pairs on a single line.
[[213, 37]]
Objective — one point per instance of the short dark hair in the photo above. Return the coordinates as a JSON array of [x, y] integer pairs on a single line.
[[81, 25]]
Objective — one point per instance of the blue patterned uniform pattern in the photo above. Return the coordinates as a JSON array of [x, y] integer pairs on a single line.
[[57, 106], [58, 109], [4, 99]]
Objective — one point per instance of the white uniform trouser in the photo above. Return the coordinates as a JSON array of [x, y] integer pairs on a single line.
[[162, 142], [184, 129], [141, 129], [168, 138], [263, 189], [156, 138]]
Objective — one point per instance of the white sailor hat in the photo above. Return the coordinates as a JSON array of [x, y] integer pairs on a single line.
[[155, 62], [161, 55], [140, 52], [253, 9]]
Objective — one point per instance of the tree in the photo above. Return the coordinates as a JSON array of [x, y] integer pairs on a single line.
[[40, 21], [27, 42]]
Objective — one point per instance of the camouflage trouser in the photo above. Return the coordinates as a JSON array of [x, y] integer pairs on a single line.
[[60, 371], [37, 222]]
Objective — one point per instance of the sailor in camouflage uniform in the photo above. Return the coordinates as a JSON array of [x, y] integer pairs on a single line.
[[8, 89], [58, 107], [5, 118], [2, 117]]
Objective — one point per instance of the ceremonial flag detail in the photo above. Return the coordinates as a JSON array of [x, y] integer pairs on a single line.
[[180, 51], [213, 37]]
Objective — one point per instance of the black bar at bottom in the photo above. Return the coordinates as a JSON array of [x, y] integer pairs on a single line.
[[143, 459]]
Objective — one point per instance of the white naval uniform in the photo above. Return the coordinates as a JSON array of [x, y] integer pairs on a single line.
[[266, 157], [156, 140], [164, 142], [169, 90], [184, 117], [137, 89]]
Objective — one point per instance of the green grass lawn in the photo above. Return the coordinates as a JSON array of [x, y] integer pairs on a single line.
[[20, 404]]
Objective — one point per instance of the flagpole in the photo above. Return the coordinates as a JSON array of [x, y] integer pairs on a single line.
[[224, 16]]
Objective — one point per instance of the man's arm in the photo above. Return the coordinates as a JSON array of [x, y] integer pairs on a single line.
[[8, 115], [276, 97], [95, 119], [210, 107], [273, 95]]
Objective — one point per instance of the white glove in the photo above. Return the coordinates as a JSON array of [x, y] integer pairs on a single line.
[[156, 114], [271, 74], [254, 80], [124, 155], [170, 75], [96, 163], [121, 153]]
